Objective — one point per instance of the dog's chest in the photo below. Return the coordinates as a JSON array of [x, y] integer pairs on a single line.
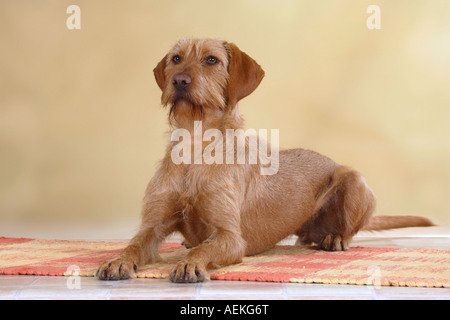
[[192, 189]]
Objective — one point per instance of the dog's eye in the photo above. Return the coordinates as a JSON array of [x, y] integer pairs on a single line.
[[176, 59], [211, 60]]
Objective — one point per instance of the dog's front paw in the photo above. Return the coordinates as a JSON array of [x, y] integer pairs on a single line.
[[332, 242], [116, 269], [187, 271]]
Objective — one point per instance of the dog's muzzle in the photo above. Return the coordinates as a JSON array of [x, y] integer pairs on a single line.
[[181, 81]]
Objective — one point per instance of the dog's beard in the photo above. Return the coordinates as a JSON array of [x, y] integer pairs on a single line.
[[183, 107]]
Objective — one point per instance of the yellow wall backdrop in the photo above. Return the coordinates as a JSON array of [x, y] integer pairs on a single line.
[[82, 129]]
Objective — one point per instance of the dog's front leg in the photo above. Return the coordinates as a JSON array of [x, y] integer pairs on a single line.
[[158, 220], [134, 255], [224, 246]]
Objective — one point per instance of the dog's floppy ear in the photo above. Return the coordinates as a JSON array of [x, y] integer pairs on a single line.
[[160, 76], [244, 73]]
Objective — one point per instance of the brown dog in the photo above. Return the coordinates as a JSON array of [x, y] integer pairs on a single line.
[[228, 211]]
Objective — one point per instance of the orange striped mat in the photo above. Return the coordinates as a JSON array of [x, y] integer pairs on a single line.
[[359, 265]]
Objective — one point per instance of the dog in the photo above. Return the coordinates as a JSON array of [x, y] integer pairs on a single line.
[[228, 211]]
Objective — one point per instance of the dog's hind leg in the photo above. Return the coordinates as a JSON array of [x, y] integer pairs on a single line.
[[343, 207]]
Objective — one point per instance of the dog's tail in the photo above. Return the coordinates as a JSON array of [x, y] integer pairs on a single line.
[[392, 222]]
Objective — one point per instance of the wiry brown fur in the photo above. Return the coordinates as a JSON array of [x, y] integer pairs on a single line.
[[227, 211]]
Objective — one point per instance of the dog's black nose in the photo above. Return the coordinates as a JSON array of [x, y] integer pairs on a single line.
[[181, 81]]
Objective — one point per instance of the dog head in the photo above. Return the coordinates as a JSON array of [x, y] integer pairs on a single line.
[[198, 75]]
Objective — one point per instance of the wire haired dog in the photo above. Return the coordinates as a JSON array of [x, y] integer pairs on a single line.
[[228, 211]]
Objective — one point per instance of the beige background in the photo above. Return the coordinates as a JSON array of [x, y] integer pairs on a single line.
[[82, 130]]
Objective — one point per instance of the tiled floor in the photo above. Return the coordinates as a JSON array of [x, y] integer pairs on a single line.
[[36, 287]]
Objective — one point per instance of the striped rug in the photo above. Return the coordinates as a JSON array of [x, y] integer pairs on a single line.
[[358, 266]]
